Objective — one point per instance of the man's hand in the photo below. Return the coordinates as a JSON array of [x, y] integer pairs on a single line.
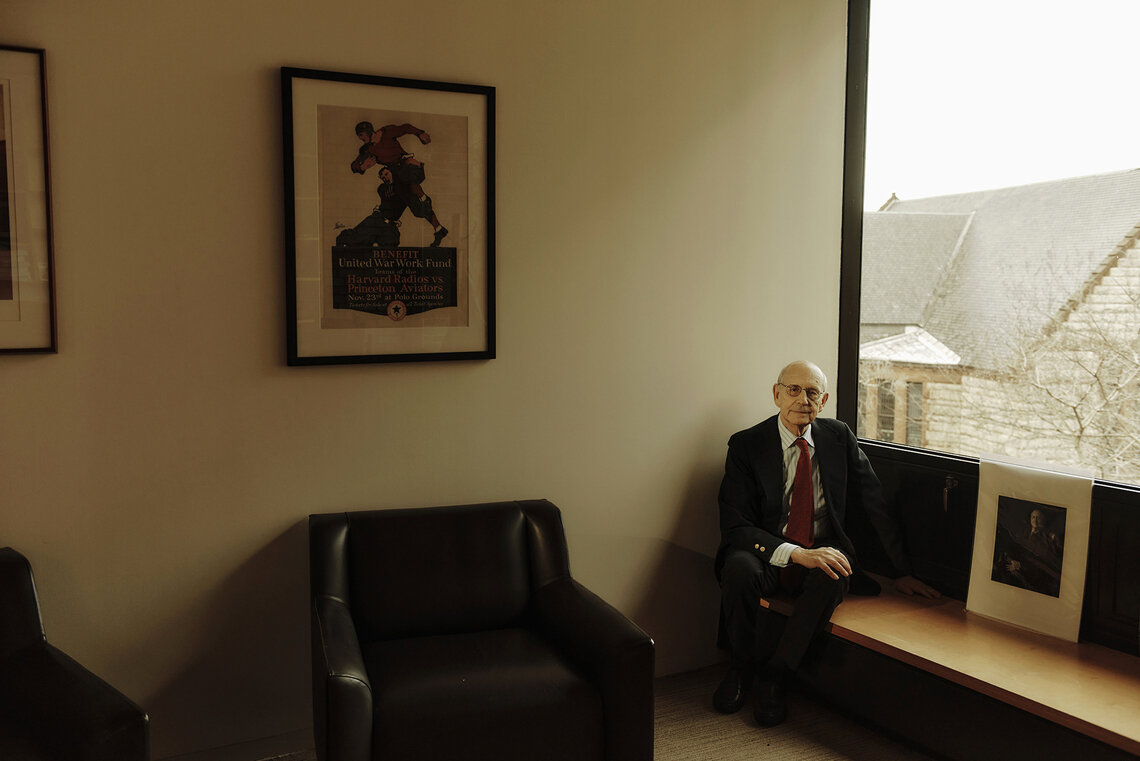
[[363, 163], [909, 585], [833, 562], [425, 138]]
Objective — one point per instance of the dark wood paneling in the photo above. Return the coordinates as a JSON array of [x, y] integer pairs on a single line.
[[942, 718], [934, 498], [1111, 614]]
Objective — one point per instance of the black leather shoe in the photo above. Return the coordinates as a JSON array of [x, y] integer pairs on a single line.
[[771, 706], [732, 691]]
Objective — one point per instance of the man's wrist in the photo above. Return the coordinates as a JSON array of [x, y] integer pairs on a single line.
[[782, 556]]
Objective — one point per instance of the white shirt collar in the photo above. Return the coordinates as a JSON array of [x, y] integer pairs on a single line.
[[788, 439]]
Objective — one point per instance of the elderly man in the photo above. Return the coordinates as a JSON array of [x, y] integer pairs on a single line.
[[789, 485]]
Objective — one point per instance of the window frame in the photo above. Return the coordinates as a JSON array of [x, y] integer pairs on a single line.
[[851, 248]]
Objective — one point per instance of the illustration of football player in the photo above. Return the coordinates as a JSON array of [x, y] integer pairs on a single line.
[[405, 173]]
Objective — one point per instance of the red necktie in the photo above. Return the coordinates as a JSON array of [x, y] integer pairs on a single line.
[[801, 513]]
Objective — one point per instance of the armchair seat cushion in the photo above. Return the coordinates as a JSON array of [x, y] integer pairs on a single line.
[[496, 694]]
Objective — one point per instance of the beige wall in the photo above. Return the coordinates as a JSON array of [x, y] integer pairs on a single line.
[[660, 165]]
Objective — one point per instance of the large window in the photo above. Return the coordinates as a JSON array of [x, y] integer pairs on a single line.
[[993, 199]]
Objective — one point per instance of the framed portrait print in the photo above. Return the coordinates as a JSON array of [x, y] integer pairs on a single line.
[[27, 285], [1030, 547], [389, 219]]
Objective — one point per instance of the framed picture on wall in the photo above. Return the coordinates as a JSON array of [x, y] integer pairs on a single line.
[[389, 219], [27, 284]]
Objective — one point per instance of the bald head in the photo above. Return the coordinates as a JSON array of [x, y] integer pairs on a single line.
[[801, 367]]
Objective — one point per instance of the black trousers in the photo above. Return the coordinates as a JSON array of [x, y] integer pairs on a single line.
[[757, 636]]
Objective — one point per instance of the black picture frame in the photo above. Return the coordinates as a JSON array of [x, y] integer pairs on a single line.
[[389, 218], [27, 268]]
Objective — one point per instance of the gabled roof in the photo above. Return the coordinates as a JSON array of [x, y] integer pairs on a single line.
[[914, 346], [1025, 252]]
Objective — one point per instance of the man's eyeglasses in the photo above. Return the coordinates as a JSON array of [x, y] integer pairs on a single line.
[[813, 394]]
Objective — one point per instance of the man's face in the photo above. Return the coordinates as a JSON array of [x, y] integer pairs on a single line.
[[797, 412], [1037, 520], [365, 137]]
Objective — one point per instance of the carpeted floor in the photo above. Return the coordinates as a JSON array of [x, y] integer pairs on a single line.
[[688, 729]]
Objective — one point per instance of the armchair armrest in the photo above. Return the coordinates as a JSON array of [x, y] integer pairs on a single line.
[[20, 624], [614, 652], [342, 693], [53, 704]]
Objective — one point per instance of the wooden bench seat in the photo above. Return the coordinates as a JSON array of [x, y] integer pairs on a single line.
[[1087, 688]]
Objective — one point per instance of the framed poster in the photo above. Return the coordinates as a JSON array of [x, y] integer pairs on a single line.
[[1030, 547], [389, 219], [27, 285]]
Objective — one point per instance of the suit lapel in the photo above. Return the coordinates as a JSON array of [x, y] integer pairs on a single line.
[[771, 466], [833, 468]]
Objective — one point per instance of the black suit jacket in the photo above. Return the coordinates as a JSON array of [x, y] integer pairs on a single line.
[[751, 494]]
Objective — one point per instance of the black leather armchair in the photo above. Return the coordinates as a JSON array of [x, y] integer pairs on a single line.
[[52, 708], [457, 633]]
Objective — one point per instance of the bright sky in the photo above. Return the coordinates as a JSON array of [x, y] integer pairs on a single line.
[[976, 94]]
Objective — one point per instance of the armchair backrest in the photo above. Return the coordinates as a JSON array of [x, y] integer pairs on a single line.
[[20, 622], [438, 570]]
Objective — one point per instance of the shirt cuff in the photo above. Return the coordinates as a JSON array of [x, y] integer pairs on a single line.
[[782, 557]]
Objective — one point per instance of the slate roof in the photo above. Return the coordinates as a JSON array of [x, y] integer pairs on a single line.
[[1025, 251], [911, 254]]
